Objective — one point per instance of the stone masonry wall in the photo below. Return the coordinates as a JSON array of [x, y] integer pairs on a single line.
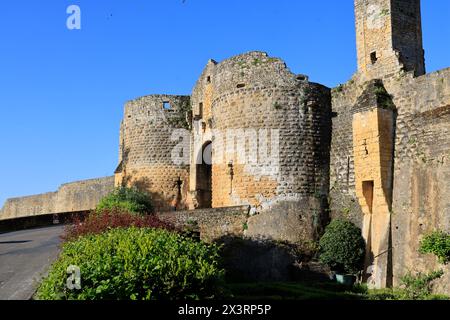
[[421, 196], [407, 35], [389, 37], [213, 224], [71, 197], [147, 144], [342, 198], [256, 98], [373, 143], [300, 118]]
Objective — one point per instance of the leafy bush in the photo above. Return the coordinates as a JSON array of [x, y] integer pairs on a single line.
[[419, 286], [383, 294], [96, 223], [342, 247], [127, 199], [136, 264], [437, 243]]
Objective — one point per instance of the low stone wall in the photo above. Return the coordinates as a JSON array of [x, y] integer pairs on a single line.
[[213, 224], [71, 197], [45, 220], [247, 256]]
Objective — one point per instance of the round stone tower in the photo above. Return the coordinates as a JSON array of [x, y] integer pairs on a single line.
[[261, 137], [147, 143]]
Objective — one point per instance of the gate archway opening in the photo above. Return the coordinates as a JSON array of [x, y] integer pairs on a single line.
[[204, 177]]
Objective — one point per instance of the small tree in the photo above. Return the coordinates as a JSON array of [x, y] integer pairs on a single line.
[[342, 247], [127, 199]]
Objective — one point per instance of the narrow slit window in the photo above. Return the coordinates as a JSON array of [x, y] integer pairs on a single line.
[[200, 110], [368, 187], [373, 57]]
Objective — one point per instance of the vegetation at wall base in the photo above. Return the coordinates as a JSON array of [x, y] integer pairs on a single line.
[[136, 264], [99, 222], [290, 291], [318, 291], [126, 256], [419, 286], [342, 247], [127, 199]]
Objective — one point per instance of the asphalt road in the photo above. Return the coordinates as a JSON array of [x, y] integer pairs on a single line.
[[24, 259]]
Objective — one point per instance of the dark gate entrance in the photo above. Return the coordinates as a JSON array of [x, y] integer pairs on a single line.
[[204, 178]]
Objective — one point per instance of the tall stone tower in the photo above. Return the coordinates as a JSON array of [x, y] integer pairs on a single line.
[[150, 143], [389, 37]]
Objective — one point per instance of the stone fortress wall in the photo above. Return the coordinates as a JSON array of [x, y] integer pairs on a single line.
[[248, 96], [146, 146], [389, 37], [71, 197], [375, 150], [417, 160], [421, 195]]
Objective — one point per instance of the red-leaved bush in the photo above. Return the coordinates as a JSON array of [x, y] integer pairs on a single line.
[[96, 223]]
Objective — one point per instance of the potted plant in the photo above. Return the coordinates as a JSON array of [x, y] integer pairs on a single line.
[[342, 248]]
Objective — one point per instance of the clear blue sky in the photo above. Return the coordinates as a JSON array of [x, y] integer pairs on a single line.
[[62, 92]]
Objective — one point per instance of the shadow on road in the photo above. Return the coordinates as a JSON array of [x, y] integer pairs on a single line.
[[15, 242]]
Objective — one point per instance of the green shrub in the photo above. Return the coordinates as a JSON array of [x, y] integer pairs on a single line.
[[419, 286], [99, 222], [384, 294], [402, 294], [437, 243], [438, 297], [342, 247], [136, 264], [127, 199]]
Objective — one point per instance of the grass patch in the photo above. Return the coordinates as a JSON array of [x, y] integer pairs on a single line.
[[316, 291], [291, 291]]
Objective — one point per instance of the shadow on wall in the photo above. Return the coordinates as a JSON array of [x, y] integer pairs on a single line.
[[160, 203], [268, 260], [299, 221]]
